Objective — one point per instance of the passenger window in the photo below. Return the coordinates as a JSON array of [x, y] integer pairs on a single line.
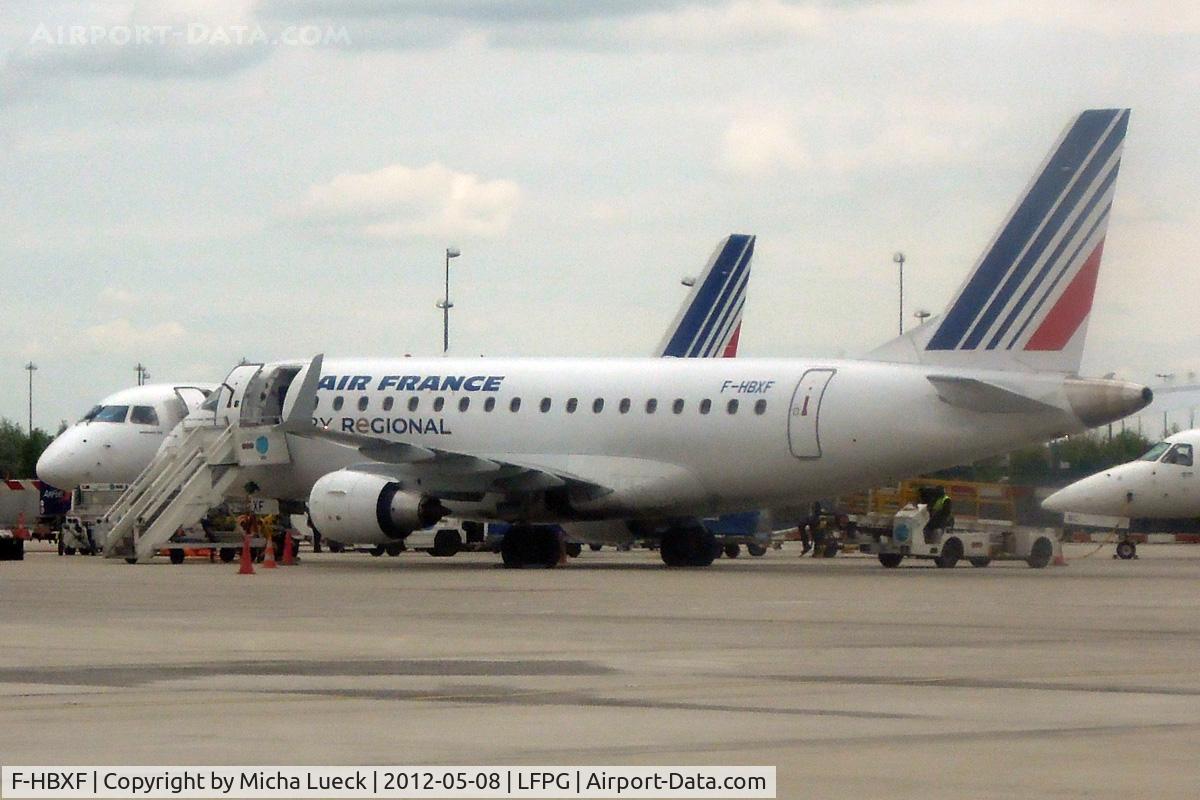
[[388, 402], [545, 406], [597, 405], [624, 406], [144, 415], [760, 407], [651, 406], [413, 403], [338, 402], [439, 403], [677, 406], [362, 403], [464, 404], [515, 405], [489, 404], [732, 407], [572, 404], [705, 406]]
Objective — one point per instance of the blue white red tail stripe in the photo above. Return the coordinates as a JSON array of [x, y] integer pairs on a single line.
[[1064, 211], [708, 324]]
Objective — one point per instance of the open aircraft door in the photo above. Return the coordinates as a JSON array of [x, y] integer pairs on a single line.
[[232, 391], [804, 429]]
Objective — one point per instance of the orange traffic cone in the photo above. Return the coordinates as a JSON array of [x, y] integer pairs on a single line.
[[289, 556], [247, 567], [269, 558]]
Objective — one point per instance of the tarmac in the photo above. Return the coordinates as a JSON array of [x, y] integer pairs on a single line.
[[854, 681]]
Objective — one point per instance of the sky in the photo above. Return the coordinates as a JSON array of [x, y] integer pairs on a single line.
[[189, 183]]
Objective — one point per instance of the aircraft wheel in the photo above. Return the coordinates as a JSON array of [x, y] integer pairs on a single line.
[[702, 547], [70, 551], [732, 550], [528, 546], [574, 549], [1041, 553], [176, 555], [980, 562], [1126, 550], [228, 554], [952, 551], [394, 549], [446, 543], [378, 550], [891, 560], [595, 548], [335, 547], [131, 559], [756, 550], [674, 548]]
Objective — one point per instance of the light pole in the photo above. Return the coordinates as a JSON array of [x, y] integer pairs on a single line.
[[444, 304], [31, 368], [899, 259], [1167, 378], [143, 374]]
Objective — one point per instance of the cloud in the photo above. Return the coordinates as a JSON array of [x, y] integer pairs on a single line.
[[122, 335], [755, 147], [398, 202]]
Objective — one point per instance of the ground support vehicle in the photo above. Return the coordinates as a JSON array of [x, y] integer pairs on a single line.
[[903, 535]]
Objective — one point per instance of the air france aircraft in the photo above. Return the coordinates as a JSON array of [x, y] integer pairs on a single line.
[[625, 447], [1162, 484], [118, 437]]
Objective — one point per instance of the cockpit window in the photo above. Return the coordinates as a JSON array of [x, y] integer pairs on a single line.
[[111, 414], [211, 403], [91, 414], [1154, 452], [1180, 455], [144, 415]]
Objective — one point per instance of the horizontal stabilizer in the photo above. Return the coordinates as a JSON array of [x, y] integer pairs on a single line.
[[987, 398]]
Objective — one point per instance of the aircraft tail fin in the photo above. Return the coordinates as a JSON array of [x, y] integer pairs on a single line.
[[710, 320], [1025, 305]]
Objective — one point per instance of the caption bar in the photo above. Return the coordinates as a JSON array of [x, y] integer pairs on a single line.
[[385, 782]]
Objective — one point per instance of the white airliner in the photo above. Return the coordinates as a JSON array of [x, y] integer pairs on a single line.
[[119, 436], [1162, 484], [645, 447]]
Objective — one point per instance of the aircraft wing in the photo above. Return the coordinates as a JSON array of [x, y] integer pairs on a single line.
[[450, 475]]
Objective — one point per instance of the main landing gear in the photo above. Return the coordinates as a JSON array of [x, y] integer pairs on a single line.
[[688, 547], [530, 546]]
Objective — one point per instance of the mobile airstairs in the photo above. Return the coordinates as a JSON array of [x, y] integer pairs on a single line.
[[243, 426]]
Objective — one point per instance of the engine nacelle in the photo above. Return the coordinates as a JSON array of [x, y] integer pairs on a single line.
[[358, 508]]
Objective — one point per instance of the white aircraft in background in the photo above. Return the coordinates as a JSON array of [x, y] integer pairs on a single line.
[[1162, 484], [119, 436]]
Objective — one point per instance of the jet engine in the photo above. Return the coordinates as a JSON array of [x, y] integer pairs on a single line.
[[359, 508]]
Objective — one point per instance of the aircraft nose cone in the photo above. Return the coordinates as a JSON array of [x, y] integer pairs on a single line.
[[1103, 494], [1098, 401], [55, 466]]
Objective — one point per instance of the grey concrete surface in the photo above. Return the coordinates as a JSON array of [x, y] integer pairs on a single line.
[[854, 681]]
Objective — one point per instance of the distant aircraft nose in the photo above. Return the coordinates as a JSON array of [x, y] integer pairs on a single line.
[[1105, 493]]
